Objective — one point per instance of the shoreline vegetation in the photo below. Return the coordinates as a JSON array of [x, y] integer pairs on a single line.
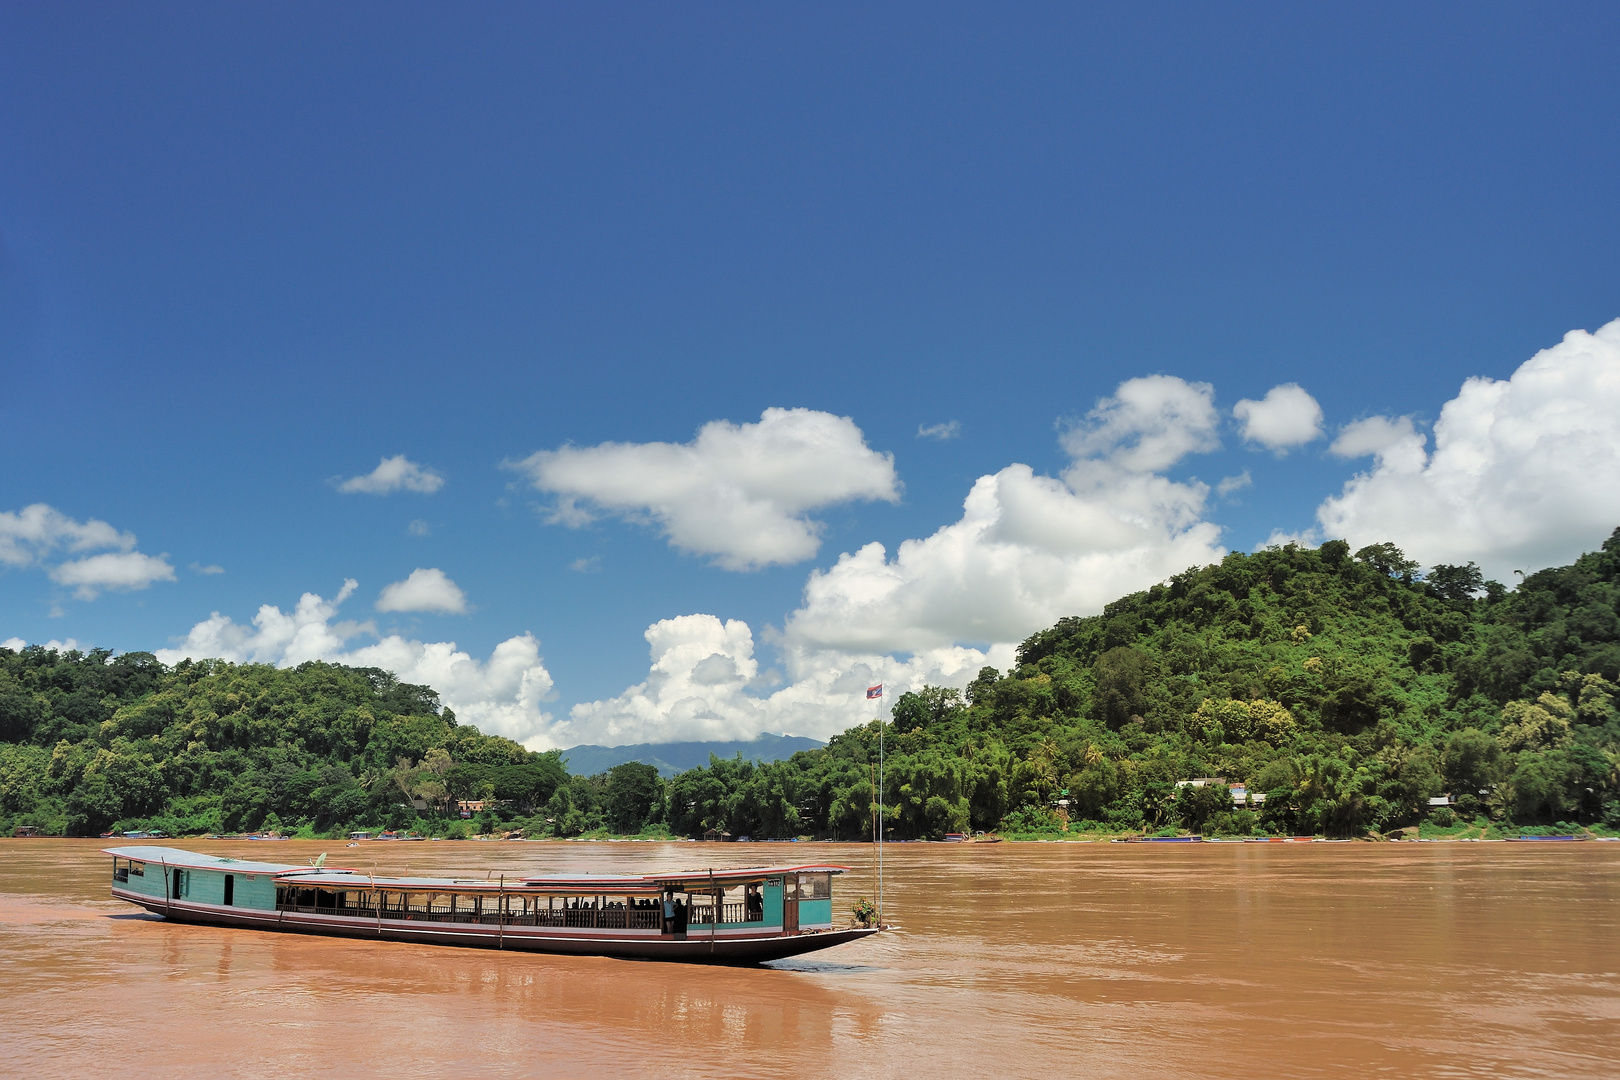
[[1311, 692]]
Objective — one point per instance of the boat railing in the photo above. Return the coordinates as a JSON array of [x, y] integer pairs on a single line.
[[608, 918], [703, 914]]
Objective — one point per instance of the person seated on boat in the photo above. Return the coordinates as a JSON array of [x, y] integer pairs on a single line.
[[680, 916], [754, 903]]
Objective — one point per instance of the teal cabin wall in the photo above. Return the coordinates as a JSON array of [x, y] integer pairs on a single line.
[[815, 912], [773, 902], [256, 891], [149, 883]]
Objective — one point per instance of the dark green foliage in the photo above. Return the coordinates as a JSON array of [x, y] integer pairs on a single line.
[[633, 797], [930, 707], [91, 742], [1122, 677], [1197, 807]]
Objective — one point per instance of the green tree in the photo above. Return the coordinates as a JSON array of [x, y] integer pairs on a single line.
[[633, 797]]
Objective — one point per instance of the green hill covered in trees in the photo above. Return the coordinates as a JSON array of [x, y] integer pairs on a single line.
[[1347, 688]]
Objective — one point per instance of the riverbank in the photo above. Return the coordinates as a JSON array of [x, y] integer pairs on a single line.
[[1472, 832]]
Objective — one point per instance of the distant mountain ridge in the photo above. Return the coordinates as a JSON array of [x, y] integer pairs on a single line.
[[672, 758]]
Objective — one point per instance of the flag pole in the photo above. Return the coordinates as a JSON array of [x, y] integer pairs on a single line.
[[876, 692], [881, 784]]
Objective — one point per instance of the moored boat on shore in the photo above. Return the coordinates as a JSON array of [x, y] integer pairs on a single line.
[[744, 915]]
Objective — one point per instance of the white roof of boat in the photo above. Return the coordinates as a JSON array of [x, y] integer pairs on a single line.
[[191, 860], [344, 876]]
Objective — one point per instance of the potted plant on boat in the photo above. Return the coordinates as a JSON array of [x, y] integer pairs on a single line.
[[864, 911]]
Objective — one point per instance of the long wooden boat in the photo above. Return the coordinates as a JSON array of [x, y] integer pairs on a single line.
[[732, 916]]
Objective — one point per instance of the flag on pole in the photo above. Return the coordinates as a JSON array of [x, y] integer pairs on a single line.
[[874, 691]]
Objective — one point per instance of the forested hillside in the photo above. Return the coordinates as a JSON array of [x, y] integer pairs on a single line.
[[1348, 688]]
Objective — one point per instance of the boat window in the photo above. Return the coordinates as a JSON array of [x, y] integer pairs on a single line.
[[815, 886], [137, 869]]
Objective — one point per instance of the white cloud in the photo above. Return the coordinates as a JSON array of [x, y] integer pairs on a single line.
[[17, 644], [826, 693], [424, 590], [500, 696], [392, 474], [39, 534], [1149, 424], [35, 532], [950, 429], [1031, 549], [740, 493], [1285, 418], [703, 671], [693, 691], [1234, 483], [1028, 550], [1525, 472], [122, 570], [1394, 438], [584, 565], [199, 568], [419, 528], [1305, 538]]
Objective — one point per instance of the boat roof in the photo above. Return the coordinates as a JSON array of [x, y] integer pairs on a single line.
[[341, 877], [191, 860], [679, 878]]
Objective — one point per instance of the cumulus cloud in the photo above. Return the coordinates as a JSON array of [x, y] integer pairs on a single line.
[[704, 679], [1148, 425], [1031, 549], [1525, 472], [392, 474], [1396, 438], [1285, 418], [17, 644], [124, 570], [40, 535], [501, 696], [34, 532], [950, 429], [693, 691], [740, 493], [1028, 550], [424, 590]]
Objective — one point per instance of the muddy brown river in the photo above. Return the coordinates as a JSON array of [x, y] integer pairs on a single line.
[[1018, 960]]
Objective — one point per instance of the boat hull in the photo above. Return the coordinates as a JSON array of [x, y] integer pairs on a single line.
[[722, 947]]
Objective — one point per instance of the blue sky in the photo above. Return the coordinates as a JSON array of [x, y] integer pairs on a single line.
[[247, 253]]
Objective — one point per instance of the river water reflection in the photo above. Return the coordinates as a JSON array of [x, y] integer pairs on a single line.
[[1095, 960]]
